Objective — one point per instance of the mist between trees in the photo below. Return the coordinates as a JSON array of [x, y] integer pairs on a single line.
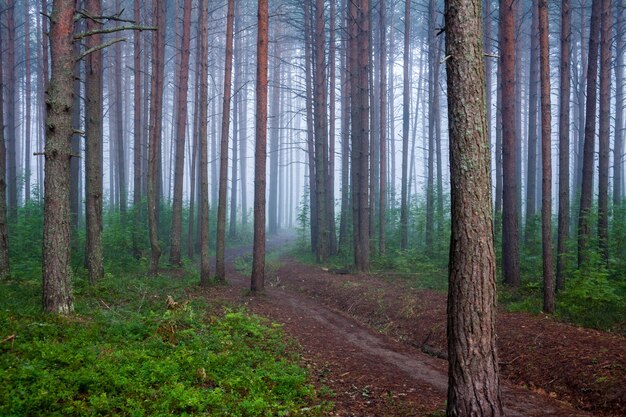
[[158, 118]]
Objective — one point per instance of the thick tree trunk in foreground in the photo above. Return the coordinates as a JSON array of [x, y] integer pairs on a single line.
[[510, 241], [473, 387], [546, 159], [605, 127], [257, 279], [203, 53], [586, 191], [564, 148], [57, 287], [181, 128], [220, 267], [93, 148], [154, 141]]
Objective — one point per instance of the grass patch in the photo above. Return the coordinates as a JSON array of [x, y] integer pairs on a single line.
[[124, 353], [243, 265]]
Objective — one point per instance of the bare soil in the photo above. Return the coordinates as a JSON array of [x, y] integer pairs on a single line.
[[380, 346]]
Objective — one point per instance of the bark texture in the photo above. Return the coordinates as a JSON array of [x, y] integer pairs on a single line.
[[93, 151], [137, 129], [473, 388], [257, 280], [564, 147], [605, 127], [57, 287], [181, 128], [358, 27], [510, 244], [618, 162], [546, 160], [220, 266], [406, 97], [4, 241], [203, 54], [586, 191], [154, 140]]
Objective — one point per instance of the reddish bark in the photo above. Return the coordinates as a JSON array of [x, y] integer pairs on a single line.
[[154, 140], [510, 246], [586, 197], [181, 127], [57, 287], [546, 160], [257, 281], [93, 147], [221, 207], [203, 52], [564, 148], [473, 380]]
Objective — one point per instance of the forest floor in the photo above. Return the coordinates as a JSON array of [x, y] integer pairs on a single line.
[[377, 347]]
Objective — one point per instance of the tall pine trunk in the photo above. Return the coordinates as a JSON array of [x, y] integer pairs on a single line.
[[57, 286], [203, 53], [605, 127], [546, 160], [358, 27], [181, 128], [406, 97], [237, 53], [531, 171], [119, 128], [383, 129], [220, 266], [27, 105], [564, 147], [308, 58], [330, 186], [272, 204], [322, 249], [510, 244], [618, 161], [257, 279], [4, 241], [156, 127], [345, 139], [586, 191], [473, 387], [137, 130], [93, 148]]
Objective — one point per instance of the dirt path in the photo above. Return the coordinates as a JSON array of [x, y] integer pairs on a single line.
[[370, 373]]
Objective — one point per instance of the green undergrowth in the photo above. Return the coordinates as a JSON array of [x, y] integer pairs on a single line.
[[411, 266], [595, 298], [126, 353], [592, 299]]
